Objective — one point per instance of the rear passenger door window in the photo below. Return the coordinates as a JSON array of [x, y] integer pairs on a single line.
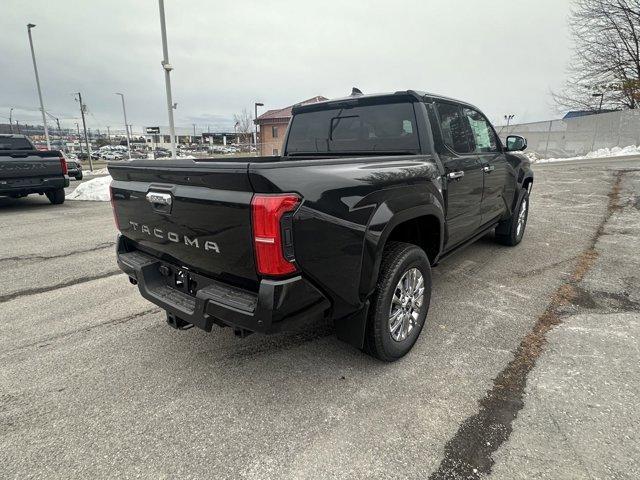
[[456, 133], [483, 135]]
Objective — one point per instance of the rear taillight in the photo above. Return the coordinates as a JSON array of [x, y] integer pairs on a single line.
[[113, 207], [63, 165], [272, 233]]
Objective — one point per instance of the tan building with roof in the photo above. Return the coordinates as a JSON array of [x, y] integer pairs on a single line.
[[273, 125]]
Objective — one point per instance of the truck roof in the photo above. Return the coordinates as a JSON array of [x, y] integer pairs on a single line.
[[415, 94], [12, 135]]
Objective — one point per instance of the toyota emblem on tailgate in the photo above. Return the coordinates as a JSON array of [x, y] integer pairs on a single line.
[[159, 198]]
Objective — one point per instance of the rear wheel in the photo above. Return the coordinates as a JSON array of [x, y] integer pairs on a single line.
[[56, 196], [79, 176], [400, 303], [511, 231]]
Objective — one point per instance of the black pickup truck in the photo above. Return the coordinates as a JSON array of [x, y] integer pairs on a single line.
[[371, 192], [25, 170]]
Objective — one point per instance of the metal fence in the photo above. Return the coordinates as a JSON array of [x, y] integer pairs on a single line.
[[578, 136]]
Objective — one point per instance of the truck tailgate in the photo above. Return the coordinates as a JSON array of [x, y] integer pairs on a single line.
[[21, 164], [197, 214]]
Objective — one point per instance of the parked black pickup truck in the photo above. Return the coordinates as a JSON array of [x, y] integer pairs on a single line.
[[25, 170], [371, 192]]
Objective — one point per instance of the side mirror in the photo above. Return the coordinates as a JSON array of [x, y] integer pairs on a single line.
[[516, 143]]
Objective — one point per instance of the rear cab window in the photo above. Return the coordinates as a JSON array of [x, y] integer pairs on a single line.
[[386, 126]]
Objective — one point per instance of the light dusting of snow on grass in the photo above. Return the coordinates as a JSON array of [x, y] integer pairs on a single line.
[[96, 190]]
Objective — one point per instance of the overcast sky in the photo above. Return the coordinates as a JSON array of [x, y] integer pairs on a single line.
[[502, 55]]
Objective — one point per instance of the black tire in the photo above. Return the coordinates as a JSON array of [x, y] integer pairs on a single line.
[[397, 259], [79, 176], [507, 232], [56, 196]]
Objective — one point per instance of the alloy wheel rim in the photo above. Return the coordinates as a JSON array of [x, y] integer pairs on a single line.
[[522, 217], [406, 303]]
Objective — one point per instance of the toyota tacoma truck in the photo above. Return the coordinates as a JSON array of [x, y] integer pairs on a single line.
[[25, 169], [370, 192]]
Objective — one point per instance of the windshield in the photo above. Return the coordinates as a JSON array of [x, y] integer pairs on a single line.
[[13, 143], [388, 127]]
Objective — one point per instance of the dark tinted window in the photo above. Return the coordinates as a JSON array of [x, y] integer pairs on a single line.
[[483, 134], [11, 143], [455, 128], [389, 127]]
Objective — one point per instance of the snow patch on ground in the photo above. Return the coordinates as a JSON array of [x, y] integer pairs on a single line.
[[96, 173], [96, 190], [600, 153]]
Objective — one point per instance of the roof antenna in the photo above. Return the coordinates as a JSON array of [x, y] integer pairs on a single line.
[[355, 91]]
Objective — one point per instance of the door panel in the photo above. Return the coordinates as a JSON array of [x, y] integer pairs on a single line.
[[463, 174], [494, 166], [464, 198]]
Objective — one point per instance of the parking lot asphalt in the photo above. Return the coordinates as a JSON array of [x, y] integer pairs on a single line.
[[526, 368]]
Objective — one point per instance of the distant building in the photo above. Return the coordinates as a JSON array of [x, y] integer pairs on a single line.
[[273, 125]]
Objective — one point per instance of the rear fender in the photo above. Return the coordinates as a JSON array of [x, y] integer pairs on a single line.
[[389, 215]]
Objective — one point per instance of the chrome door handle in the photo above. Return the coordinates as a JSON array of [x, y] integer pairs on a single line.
[[455, 175], [489, 168]]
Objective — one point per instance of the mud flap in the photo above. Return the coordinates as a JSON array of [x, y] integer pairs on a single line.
[[352, 329]]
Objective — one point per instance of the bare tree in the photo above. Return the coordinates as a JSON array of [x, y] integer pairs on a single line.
[[244, 123], [606, 62]]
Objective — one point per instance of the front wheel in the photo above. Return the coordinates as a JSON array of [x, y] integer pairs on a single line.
[[56, 197], [400, 302]]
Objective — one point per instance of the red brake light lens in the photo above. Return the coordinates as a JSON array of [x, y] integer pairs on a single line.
[[266, 214], [63, 165]]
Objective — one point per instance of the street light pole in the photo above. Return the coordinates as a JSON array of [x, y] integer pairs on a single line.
[[167, 77], [601, 95], [35, 69], [126, 125], [10, 120], [59, 129], [595, 132], [255, 121]]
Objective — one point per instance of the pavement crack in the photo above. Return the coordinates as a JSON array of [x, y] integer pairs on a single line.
[[34, 291], [537, 271], [468, 454], [100, 246], [47, 341]]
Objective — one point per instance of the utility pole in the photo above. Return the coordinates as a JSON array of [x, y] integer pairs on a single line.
[[255, 121], [79, 139], [126, 125], [35, 69], [167, 77], [84, 127], [194, 130], [109, 134], [10, 121]]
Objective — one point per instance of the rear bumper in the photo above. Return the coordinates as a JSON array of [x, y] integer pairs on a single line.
[[32, 185], [278, 305]]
